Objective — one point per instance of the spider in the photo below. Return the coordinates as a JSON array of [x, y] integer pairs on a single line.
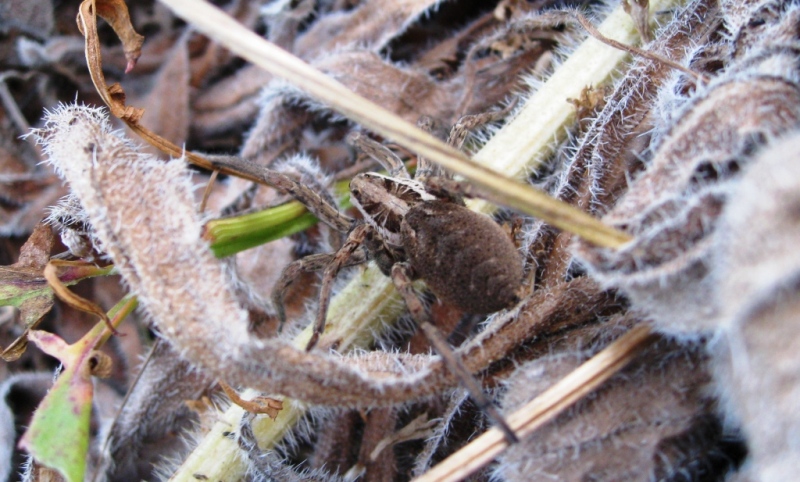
[[413, 228]]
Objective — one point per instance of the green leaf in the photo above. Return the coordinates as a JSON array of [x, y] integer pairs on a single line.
[[58, 436]]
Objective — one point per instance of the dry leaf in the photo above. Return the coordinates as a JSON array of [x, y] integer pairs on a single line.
[[166, 106], [24, 287], [673, 206], [639, 10], [757, 274], [370, 24], [115, 12], [654, 420], [144, 430]]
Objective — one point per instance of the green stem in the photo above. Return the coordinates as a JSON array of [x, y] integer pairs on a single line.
[[229, 236], [116, 314]]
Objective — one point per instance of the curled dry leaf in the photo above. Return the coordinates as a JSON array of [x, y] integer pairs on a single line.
[[672, 207], [640, 12], [115, 12], [654, 420], [140, 435], [114, 95], [199, 297], [270, 407], [757, 271], [75, 301]]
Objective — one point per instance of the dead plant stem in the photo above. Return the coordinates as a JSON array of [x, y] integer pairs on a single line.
[[544, 408]]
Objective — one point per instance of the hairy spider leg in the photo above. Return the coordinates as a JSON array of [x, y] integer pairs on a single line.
[[426, 168], [309, 264], [456, 139], [312, 200], [401, 277], [466, 123], [354, 241], [388, 159]]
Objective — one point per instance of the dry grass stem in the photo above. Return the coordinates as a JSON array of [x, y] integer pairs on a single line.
[[224, 29], [543, 408]]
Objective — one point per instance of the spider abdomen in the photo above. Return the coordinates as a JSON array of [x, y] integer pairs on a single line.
[[463, 256]]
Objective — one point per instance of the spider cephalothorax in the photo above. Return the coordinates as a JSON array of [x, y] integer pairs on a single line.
[[384, 201]]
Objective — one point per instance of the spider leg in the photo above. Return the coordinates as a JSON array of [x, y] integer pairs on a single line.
[[461, 129], [388, 159], [339, 260], [458, 135], [426, 168], [402, 280], [313, 201], [308, 264], [450, 188]]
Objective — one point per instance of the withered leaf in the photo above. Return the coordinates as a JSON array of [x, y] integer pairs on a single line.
[[75, 301], [651, 421], [35, 252], [23, 286], [371, 24], [271, 407], [759, 286], [113, 96], [362, 71], [673, 207], [167, 104], [115, 12], [639, 10]]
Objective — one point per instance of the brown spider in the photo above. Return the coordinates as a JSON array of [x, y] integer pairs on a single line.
[[414, 228]]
